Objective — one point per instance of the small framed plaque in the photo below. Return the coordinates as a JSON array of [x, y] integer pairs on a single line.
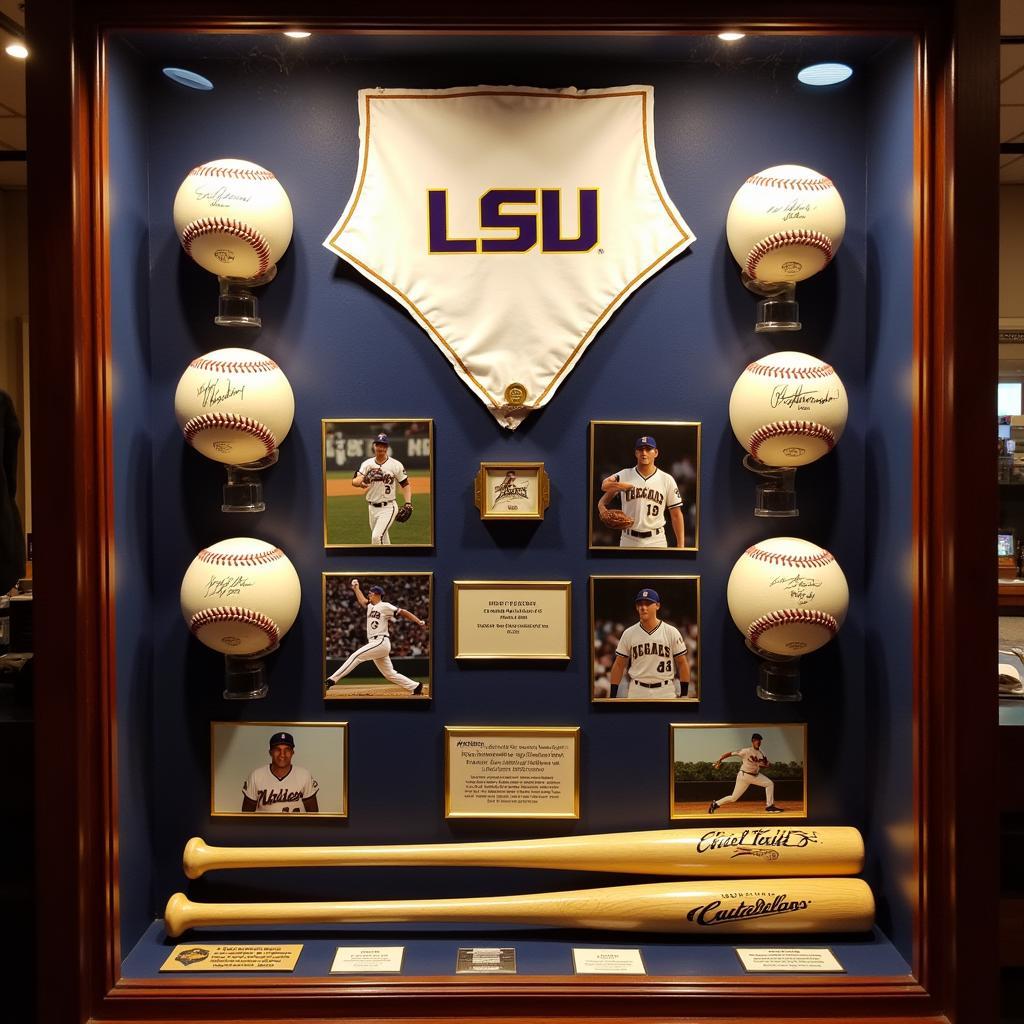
[[511, 771], [522, 619], [512, 490]]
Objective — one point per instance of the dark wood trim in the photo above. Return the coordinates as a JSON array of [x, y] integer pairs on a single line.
[[955, 515]]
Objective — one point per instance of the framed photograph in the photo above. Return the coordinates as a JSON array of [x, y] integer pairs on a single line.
[[377, 630], [645, 485], [518, 619], [378, 483], [279, 769], [511, 771], [512, 490], [738, 770], [646, 638]]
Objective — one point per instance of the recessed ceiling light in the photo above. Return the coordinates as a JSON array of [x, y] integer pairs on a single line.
[[17, 50], [189, 78], [298, 34], [730, 37], [824, 74]]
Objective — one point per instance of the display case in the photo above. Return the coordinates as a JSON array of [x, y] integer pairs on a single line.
[[898, 742]]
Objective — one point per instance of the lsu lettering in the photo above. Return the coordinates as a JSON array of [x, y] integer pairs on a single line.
[[523, 223]]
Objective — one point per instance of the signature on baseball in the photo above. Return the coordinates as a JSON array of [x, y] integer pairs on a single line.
[[801, 588], [782, 394], [213, 392], [796, 210], [221, 196], [226, 586]]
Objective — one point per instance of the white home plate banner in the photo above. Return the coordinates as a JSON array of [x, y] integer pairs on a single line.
[[511, 222]]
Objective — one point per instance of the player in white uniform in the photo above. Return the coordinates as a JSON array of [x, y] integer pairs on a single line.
[[377, 648], [382, 477], [753, 763], [654, 652], [280, 787], [646, 493]]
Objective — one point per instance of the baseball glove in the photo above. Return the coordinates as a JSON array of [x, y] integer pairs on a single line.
[[404, 513], [614, 518]]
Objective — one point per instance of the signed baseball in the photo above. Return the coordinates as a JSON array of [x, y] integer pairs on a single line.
[[787, 596], [240, 596], [785, 224], [233, 218], [788, 409], [234, 405]]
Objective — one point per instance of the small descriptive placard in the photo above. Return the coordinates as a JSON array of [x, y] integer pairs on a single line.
[[789, 960], [608, 961], [513, 619], [232, 958], [486, 960], [368, 960], [512, 773]]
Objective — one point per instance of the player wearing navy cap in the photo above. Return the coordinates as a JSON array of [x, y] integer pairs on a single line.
[[382, 477], [654, 653], [379, 615], [280, 787], [646, 493], [753, 762]]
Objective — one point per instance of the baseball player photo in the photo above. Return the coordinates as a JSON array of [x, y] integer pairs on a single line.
[[276, 768], [739, 771], [378, 483], [651, 503], [372, 621], [646, 638]]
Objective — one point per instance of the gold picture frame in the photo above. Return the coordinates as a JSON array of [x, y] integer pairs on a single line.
[[706, 784], [512, 490], [611, 597], [610, 443], [489, 624], [345, 635], [473, 762], [351, 519], [235, 752]]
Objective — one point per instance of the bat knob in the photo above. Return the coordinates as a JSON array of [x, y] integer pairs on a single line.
[[194, 859], [177, 914]]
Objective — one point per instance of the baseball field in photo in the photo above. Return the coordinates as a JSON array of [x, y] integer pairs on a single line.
[[346, 511]]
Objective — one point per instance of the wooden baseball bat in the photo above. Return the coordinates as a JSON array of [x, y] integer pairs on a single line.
[[761, 852], [761, 906]]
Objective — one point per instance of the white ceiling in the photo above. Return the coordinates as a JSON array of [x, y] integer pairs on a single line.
[[12, 102]]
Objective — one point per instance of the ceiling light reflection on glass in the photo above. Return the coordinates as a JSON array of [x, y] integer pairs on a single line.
[[188, 78], [824, 74], [298, 34], [16, 50], [730, 37]]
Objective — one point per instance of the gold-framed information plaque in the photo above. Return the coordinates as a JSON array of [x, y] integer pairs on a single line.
[[521, 619], [511, 771], [512, 490]]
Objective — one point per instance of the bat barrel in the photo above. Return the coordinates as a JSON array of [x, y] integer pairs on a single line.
[[754, 906]]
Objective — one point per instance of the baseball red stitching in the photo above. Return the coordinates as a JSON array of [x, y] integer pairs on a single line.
[[212, 171], [223, 558], [209, 616], [785, 617], [821, 184], [225, 366], [230, 421], [783, 428], [813, 239], [228, 226], [796, 561], [762, 369]]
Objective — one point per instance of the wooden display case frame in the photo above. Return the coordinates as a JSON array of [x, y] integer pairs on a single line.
[[955, 202]]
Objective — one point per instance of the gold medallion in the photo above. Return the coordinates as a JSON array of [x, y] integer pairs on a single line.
[[515, 394]]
